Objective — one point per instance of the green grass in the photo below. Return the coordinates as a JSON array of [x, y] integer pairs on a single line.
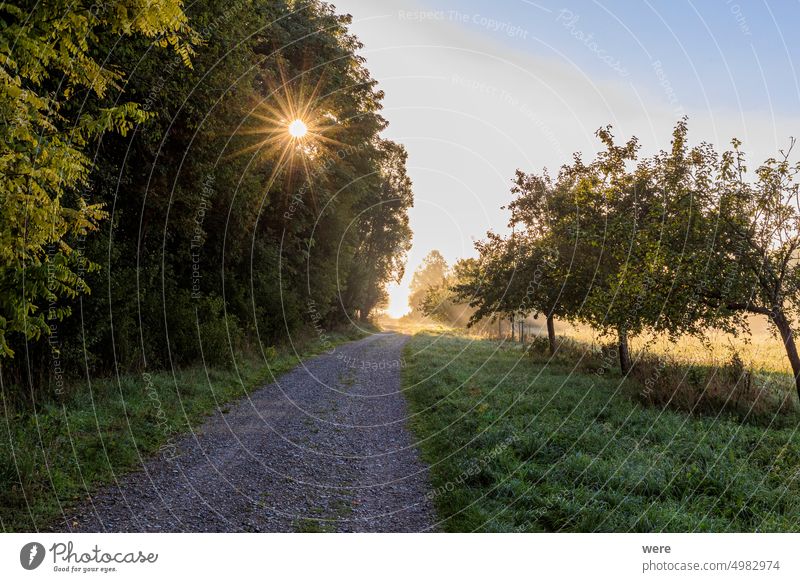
[[326, 520], [515, 445], [53, 458]]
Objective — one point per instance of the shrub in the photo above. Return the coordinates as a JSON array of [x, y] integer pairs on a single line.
[[731, 387], [539, 345]]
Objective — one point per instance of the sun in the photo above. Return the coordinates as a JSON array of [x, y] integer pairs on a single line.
[[294, 123], [295, 129], [398, 300], [298, 129]]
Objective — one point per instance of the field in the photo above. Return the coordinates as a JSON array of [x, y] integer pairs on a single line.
[[519, 444], [760, 349]]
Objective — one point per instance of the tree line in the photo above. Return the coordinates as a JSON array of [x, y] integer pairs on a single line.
[[675, 244], [155, 210]]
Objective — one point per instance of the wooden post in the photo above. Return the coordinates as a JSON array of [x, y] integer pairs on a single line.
[[551, 334], [624, 352]]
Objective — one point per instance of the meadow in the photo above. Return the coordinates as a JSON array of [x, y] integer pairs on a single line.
[[760, 349], [518, 441]]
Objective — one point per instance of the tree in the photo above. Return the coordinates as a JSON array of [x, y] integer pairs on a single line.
[[484, 284], [606, 229], [739, 253], [222, 228], [552, 263], [674, 244], [385, 235], [431, 273], [48, 52], [607, 223], [443, 304], [590, 247]]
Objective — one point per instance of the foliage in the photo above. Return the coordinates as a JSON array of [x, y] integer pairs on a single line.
[[740, 238], [430, 274], [222, 231], [49, 59], [674, 244], [385, 235], [441, 304]]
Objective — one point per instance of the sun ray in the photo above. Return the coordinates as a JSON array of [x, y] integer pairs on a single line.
[[296, 127]]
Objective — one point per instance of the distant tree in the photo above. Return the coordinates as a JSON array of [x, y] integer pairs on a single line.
[[431, 273], [441, 301]]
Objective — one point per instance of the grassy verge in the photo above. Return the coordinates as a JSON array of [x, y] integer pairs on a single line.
[[54, 457], [520, 445]]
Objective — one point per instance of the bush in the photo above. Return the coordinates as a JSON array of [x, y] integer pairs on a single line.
[[601, 360], [539, 345], [731, 387], [199, 330]]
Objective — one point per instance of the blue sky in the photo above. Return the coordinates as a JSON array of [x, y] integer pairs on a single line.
[[723, 53]]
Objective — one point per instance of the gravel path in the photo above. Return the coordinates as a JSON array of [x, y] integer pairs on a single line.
[[325, 448]]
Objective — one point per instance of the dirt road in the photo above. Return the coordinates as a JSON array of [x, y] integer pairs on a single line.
[[325, 448]]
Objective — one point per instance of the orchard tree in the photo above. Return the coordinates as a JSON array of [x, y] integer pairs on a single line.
[[605, 229], [739, 252], [485, 284], [551, 270], [573, 254], [681, 242], [598, 239]]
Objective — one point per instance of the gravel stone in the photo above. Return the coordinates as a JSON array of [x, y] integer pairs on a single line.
[[324, 448]]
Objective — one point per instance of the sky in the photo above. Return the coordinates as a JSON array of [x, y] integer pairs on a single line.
[[477, 89]]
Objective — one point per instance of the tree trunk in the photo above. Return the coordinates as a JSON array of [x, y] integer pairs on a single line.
[[624, 353], [551, 334], [785, 329], [512, 328]]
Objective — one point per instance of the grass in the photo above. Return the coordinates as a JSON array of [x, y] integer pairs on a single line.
[[326, 519], [56, 456], [761, 349], [517, 444]]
